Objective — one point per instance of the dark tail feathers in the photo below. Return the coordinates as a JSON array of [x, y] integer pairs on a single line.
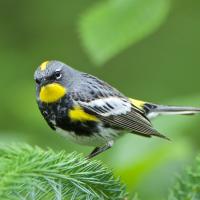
[[153, 110]]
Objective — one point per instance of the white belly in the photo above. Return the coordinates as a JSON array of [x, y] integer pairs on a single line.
[[98, 139]]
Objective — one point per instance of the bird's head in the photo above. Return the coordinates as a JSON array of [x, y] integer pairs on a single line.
[[52, 81]]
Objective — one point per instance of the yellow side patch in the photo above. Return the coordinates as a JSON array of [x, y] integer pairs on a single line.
[[78, 114], [43, 66], [52, 92], [137, 103]]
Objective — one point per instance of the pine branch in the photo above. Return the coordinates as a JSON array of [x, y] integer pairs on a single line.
[[32, 173], [188, 185]]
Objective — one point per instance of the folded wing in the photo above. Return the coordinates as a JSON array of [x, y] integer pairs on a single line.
[[119, 113]]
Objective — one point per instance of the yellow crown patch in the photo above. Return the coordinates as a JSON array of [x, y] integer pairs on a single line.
[[43, 66]]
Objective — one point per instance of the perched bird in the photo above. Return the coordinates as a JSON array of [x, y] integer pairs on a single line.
[[91, 112]]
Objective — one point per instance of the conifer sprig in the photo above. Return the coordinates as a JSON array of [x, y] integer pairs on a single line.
[[35, 174]]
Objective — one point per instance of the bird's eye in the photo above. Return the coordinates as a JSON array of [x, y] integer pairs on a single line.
[[58, 75], [38, 81]]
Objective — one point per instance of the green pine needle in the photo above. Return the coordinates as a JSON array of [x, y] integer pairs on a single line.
[[187, 186], [32, 173]]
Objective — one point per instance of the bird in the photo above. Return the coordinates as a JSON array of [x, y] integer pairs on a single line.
[[91, 112]]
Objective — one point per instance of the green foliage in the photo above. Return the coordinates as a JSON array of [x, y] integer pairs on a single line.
[[111, 26], [136, 197], [32, 173], [35, 174], [188, 184]]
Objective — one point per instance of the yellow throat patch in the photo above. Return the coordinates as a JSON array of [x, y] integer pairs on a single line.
[[139, 104], [78, 114], [43, 66], [52, 92]]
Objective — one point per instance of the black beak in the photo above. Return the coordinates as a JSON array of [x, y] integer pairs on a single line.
[[44, 81]]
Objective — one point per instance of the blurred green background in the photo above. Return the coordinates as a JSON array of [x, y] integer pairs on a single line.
[[148, 49]]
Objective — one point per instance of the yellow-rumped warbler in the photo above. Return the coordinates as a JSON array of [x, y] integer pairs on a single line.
[[91, 112]]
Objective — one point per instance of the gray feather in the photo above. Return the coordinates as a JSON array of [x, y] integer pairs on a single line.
[[153, 110]]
